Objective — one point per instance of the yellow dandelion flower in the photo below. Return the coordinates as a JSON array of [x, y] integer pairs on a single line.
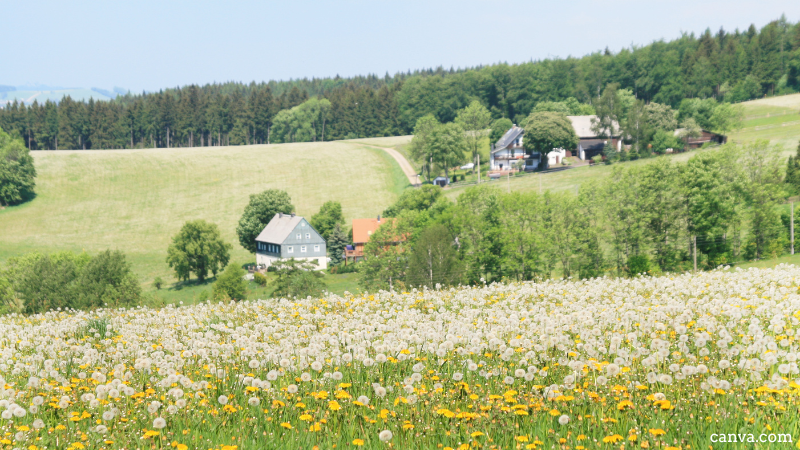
[[408, 426], [521, 438], [150, 433], [358, 442], [673, 448], [476, 434], [306, 417], [286, 425], [60, 427], [656, 431], [554, 413], [23, 428], [613, 439], [334, 405]]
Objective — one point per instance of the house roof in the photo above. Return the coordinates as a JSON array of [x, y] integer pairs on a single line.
[[363, 228], [279, 228], [583, 126], [510, 136]]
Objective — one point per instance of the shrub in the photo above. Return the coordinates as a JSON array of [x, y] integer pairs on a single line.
[[638, 264], [158, 282], [107, 280], [341, 268], [260, 279], [230, 284], [297, 279]]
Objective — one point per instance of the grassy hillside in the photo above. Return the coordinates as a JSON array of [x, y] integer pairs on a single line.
[[776, 119], [136, 200]]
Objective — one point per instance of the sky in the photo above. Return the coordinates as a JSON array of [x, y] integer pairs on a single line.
[[149, 45]]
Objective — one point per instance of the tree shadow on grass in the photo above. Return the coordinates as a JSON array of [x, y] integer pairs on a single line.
[[177, 286]]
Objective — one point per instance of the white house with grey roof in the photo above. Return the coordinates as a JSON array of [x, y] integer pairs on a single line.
[[289, 236]]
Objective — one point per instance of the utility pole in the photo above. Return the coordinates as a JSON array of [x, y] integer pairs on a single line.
[[479, 168], [791, 224], [694, 252]]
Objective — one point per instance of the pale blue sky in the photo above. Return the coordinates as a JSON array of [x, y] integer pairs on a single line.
[[147, 44]]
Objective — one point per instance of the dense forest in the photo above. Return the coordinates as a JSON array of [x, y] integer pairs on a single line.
[[730, 66]]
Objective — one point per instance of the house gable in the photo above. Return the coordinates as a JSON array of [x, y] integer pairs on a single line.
[[289, 236]]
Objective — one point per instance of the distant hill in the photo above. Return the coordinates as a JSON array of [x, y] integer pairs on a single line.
[[27, 95]]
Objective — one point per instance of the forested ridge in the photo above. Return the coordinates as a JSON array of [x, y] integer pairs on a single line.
[[731, 66]]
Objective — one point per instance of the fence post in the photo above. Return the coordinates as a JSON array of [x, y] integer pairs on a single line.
[[694, 252]]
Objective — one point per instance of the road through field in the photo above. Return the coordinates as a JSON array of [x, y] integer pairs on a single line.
[[408, 169]]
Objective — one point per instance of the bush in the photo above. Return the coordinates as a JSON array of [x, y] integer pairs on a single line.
[[638, 264], [37, 283], [230, 284], [297, 279], [260, 279], [341, 268], [107, 280], [158, 282]]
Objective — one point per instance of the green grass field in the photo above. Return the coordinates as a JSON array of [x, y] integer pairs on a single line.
[[776, 119], [136, 200]]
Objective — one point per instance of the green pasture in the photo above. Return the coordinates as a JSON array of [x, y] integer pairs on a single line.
[[136, 200]]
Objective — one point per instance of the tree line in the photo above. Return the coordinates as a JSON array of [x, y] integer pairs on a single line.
[[641, 219], [723, 66]]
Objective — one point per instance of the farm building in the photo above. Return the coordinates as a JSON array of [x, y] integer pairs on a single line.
[[441, 181], [704, 138], [362, 231], [289, 236], [590, 142], [508, 152]]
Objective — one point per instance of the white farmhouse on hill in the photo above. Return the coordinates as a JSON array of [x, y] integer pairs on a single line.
[[289, 236]]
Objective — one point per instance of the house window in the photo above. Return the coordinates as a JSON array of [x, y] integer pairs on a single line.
[[308, 235], [290, 249], [302, 249], [299, 236], [316, 248]]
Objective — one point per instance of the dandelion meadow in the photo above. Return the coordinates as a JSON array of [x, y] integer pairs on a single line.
[[649, 362]]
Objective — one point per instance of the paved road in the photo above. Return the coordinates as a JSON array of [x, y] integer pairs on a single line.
[[408, 169]]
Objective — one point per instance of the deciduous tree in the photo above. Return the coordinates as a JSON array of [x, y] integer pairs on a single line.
[[198, 248], [257, 214]]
